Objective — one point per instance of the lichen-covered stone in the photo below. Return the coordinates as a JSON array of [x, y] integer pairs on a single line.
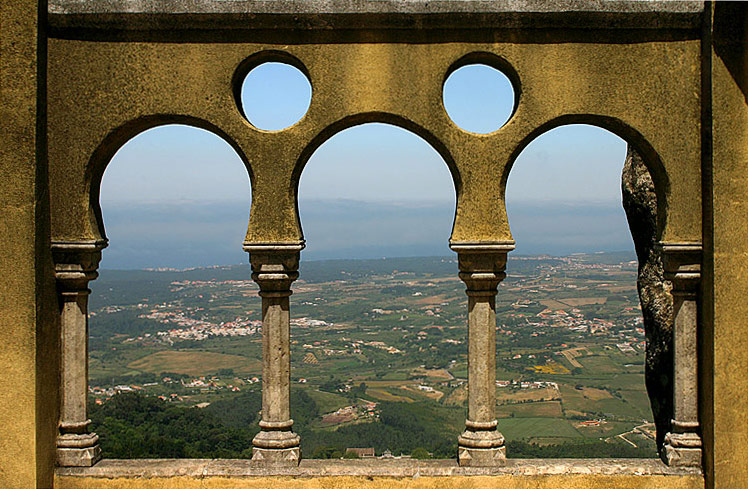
[[640, 204]]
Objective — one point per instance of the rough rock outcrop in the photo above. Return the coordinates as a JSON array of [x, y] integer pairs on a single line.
[[640, 204]]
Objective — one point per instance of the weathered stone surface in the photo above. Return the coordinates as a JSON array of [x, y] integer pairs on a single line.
[[682, 450], [78, 457], [28, 306], [640, 204], [682, 263]]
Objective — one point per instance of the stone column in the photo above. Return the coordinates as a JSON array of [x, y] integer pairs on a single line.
[[75, 265], [682, 264], [482, 269], [274, 268]]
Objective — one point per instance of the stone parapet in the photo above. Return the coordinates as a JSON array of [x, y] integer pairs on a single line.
[[405, 468]]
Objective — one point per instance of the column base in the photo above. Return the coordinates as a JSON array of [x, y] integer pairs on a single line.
[[78, 450], [481, 457], [276, 456], [276, 447], [682, 450], [482, 448]]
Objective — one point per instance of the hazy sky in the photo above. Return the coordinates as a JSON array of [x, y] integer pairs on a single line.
[[179, 196]]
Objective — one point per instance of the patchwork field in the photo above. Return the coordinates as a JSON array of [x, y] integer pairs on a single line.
[[547, 409], [383, 394], [530, 428], [194, 363]]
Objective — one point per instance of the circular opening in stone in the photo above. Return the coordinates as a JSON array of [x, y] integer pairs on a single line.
[[478, 98], [275, 96]]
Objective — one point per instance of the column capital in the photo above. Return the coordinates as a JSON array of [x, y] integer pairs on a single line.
[[482, 265], [76, 263], [274, 266], [682, 263]]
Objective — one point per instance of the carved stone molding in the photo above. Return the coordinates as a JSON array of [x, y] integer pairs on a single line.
[[76, 262]]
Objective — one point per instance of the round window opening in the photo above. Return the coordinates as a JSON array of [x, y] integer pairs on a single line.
[[478, 98], [275, 96]]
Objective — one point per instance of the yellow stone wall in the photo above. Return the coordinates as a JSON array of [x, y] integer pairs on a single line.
[[28, 304], [725, 318]]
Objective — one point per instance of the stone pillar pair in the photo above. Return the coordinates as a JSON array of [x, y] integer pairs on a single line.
[[482, 268], [274, 268], [682, 263], [75, 266]]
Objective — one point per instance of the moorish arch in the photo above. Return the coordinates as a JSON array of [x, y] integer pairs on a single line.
[[360, 120], [648, 155], [118, 138], [380, 164]]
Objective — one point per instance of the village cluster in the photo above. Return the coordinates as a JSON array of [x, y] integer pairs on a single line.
[[166, 384]]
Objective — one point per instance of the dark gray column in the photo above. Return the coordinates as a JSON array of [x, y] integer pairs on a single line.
[[482, 269], [274, 268], [683, 445], [75, 265]]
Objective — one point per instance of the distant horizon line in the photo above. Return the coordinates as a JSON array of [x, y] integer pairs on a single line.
[[451, 257], [615, 200]]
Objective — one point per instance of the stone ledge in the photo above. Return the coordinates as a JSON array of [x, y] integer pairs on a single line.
[[370, 6], [372, 14], [202, 468]]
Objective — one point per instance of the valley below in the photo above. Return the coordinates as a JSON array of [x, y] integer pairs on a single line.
[[378, 359]]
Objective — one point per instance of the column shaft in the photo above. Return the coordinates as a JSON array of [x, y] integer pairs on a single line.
[[481, 358], [686, 409], [74, 342], [276, 366]]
